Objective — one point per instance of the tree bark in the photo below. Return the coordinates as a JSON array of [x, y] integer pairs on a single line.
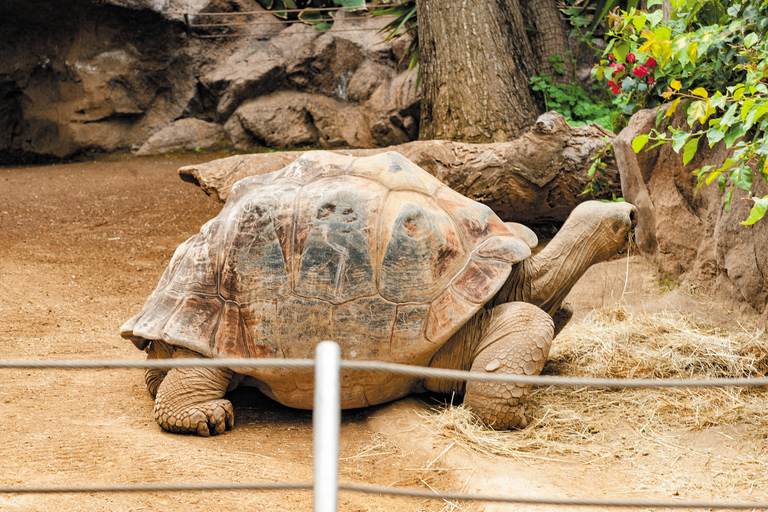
[[536, 179], [549, 40], [476, 61]]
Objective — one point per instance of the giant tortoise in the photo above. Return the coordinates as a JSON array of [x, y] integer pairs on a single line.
[[380, 256]]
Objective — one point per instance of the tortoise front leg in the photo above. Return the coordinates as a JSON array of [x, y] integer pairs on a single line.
[[154, 376], [516, 341], [189, 400]]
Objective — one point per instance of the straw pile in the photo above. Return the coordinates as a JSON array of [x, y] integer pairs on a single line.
[[596, 424]]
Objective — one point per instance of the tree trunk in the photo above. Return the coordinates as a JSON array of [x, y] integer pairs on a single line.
[[550, 40], [476, 61]]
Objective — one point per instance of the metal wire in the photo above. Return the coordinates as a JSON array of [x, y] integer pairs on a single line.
[[281, 11], [372, 489], [376, 366], [401, 369], [270, 35]]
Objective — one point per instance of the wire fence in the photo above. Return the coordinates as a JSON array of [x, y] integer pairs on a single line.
[[326, 425], [278, 17]]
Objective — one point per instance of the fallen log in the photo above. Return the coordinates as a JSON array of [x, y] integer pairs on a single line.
[[536, 179]]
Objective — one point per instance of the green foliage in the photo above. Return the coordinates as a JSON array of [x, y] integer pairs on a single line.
[[575, 104], [598, 173], [711, 62], [587, 15], [405, 22], [312, 12]]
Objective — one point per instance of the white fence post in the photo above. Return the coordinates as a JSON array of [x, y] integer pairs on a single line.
[[326, 422]]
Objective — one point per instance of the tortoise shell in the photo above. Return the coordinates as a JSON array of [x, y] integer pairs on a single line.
[[374, 253]]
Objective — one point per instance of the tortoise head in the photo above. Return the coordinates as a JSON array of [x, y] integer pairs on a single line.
[[600, 229], [594, 232]]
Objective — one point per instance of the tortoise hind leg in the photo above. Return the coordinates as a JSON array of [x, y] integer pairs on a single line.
[[190, 400], [515, 340]]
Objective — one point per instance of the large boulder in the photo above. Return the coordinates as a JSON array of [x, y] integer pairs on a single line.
[[111, 74], [688, 232], [186, 133]]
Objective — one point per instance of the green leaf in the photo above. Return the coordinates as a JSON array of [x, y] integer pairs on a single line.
[[742, 177], [678, 140], [700, 92], [750, 40], [692, 52], [758, 210], [733, 134], [714, 136], [718, 100], [639, 22], [730, 115], [728, 200], [690, 150], [639, 141], [697, 110], [621, 50]]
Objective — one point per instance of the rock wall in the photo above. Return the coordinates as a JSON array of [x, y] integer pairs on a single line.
[[113, 74], [689, 233]]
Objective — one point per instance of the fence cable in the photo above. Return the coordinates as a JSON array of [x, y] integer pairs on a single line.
[[384, 491], [243, 365], [415, 371]]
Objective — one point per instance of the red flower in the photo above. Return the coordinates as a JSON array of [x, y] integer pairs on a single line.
[[631, 58], [611, 57], [651, 80], [640, 71], [619, 68], [611, 83], [650, 63], [615, 89]]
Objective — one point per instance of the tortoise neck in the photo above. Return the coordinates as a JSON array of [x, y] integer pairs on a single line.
[[546, 278]]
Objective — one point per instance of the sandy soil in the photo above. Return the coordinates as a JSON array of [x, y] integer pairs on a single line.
[[82, 246]]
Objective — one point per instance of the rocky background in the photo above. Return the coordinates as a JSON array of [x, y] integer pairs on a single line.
[[126, 74], [689, 233]]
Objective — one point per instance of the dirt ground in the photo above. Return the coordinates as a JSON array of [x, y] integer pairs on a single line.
[[82, 246]]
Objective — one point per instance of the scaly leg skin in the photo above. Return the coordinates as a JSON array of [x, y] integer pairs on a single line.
[[189, 400], [153, 377], [515, 341], [562, 316]]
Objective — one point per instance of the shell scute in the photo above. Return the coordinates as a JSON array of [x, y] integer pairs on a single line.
[[257, 237], [408, 334], [476, 220], [446, 314], [395, 172], [302, 324], [197, 271], [365, 325], [194, 324], [481, 279], [335, 238], [311, 166], [421, 248]]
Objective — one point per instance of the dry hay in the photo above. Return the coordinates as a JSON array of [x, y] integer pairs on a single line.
[[595, 425]]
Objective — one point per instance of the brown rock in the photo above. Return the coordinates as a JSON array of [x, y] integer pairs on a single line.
[[183, 134], [687, 232]]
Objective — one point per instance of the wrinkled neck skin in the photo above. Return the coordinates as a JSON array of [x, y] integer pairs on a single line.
[[546, 278]]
